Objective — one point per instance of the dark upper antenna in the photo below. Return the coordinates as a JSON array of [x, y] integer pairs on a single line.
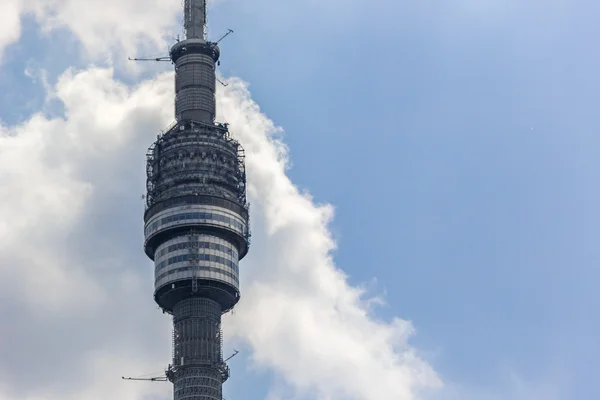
[[194, 19], [229, 32], [235, 353], [166, 58], [168, 376], [155, 379]]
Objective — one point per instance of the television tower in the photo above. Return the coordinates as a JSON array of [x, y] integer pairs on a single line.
[[196, 218]]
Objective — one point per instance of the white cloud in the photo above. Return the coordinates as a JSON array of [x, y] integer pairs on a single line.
[[104, 28], [111, 24], [298, 312], [10, 25], [78, 311]]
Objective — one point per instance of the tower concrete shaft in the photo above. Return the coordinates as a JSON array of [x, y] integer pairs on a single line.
[[196, 218], [195, 79]]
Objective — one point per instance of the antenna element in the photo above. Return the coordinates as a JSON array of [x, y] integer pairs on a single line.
[[194, 19]]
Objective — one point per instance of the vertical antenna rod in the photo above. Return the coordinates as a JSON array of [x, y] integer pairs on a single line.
[[194, 19]]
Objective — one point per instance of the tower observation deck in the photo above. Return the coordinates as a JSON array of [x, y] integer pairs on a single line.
[[196, 218]]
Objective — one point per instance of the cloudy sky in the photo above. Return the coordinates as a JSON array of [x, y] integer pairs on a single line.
[[424, 187]]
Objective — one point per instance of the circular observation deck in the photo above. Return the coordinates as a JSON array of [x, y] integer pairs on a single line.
[[196, 249]]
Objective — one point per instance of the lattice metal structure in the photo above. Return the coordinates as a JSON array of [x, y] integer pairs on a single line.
[[196, 217]]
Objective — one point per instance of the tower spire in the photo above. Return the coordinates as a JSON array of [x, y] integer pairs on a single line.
[[194, 19], [195, 60]]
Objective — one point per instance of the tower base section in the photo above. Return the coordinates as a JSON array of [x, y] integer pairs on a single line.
[[198, 367], [197, 384]]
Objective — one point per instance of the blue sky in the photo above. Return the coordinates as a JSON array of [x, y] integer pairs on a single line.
[[459, 152], [458, 144]]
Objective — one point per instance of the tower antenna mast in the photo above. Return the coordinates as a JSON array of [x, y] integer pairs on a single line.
[[196, 221]]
